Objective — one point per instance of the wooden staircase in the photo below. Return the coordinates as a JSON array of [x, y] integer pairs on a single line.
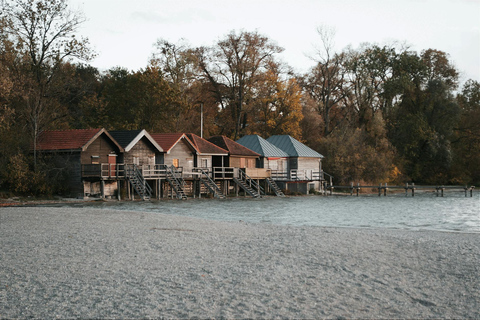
[[275, 187], [136, 179], [176, 181], [211, 185], [249, 185]]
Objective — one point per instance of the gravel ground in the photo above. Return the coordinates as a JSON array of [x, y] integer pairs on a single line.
[[87, 263]]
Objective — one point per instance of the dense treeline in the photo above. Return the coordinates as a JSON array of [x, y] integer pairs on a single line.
[[377, 113]]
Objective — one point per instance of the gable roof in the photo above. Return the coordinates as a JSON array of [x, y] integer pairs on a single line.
[[78, 139], [293, 147], [205, 147], [261, 146], [168, 140], [233, 148], [128, 139]]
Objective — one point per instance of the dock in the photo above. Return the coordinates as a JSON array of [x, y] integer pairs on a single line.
[[383, 188]]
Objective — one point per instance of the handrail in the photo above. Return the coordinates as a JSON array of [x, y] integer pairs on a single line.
[[224, 172], [205, 176], [245, 177], [132, 172]]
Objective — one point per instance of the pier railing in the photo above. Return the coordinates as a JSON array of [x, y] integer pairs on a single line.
[[383, 188]]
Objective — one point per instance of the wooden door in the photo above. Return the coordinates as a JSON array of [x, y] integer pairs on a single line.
[[112, 168]]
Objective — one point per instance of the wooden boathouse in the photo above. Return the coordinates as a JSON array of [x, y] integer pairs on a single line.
[[292, 165], [304, 168], [89, 156], [137, 164]]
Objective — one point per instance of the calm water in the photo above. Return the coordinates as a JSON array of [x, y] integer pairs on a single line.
[[454, 212]]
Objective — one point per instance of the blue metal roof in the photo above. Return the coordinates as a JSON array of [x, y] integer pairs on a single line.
[[293, 147], [261, 146]]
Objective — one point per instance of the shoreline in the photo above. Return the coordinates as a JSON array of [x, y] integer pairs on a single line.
[[102, 263]]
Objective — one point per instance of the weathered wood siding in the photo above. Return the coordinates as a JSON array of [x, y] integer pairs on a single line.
[[242, 162], [69, 170], [143, 153], [101, 147], [308, 164], [94, 188], [204, 161], [257, 173], [183, 153], [276, 164]]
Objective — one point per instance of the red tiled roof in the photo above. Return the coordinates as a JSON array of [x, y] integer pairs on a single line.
[[65, 139], [204, 146], [166, 140], [234, 148]]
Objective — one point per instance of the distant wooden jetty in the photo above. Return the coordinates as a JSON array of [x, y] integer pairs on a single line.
[[383, 188]]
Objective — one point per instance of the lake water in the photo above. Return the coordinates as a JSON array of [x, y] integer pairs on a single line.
[[454, 212]]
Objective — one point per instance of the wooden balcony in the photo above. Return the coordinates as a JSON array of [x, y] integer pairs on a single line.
[[107, 171], [297, 175]]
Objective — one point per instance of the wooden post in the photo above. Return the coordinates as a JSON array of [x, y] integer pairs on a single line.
[[471, 191], [466, 188], [385, 190], [358, 187], [331, 190], [351, 188], [118, 190], [413, 189], [380, 190], [406, 190], [442, 189], [102, 186]]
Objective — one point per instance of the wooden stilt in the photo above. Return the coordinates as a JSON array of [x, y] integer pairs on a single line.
[[119, 189]]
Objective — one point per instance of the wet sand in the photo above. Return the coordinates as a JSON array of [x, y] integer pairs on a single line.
[[90, 263]]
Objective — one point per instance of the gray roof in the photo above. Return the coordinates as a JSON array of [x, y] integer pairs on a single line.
[[128, 138], [124, 137], [261, 146], [293, 147]]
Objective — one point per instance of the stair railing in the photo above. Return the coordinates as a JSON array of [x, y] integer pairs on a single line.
[[138, 182], [209, 183], [246, 178]]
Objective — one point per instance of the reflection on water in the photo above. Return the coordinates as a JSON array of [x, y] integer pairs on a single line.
[[454, 212]]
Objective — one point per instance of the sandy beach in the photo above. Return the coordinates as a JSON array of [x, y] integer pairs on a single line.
[[90, 263]]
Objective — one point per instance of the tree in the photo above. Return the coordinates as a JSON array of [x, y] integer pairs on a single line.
[[234, 68], [178, 65], [325, 82], [43, 32], [278, 110], [466, 144], [139, 100]]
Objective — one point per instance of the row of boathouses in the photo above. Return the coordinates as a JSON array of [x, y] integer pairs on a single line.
[[139, 164]]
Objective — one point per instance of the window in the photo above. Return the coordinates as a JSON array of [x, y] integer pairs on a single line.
[[204, 163], [175, 163], [95, 159]]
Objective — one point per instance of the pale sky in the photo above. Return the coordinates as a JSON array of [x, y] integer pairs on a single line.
[[123, 31]]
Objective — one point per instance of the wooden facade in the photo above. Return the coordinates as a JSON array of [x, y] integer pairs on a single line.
[[128, 163], [238, 155], [304, 165], [82, 153]]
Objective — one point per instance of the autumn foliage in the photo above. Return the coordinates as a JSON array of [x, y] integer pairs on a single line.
[[377, 113]]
